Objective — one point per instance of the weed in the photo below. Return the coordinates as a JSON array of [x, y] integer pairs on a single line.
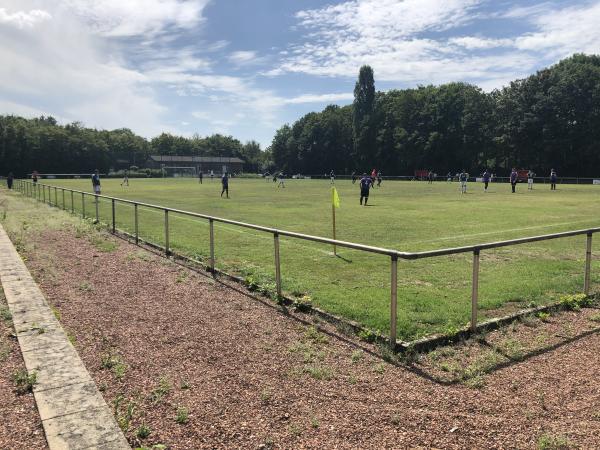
[[303, 304], [124, 417], [550, 442], [56, 313], [24, 381], [379, 368], [315, 336], [368, 335], [103, 245], [319, 372], [265, 396], [71, 337], [185, 385], [5, 314], [395, 419], [85, 286], [595, 317], [143, 431], [114, 361], [357, 355], [528, 320], [476, 382], [181, 277], [352, 379], [164, 387], [575, 302], [183, 416], [314, 422], [513, 349], [295, 429], [543, 316]]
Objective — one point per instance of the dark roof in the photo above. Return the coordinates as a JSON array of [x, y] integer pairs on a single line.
[[198, 159]]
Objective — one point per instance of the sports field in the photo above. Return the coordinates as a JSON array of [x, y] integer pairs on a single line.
[[433, 294]]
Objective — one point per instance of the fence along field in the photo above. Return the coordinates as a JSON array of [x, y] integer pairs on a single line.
[[434, 295]]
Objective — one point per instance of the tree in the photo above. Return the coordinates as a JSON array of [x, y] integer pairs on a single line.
[[362, 118]]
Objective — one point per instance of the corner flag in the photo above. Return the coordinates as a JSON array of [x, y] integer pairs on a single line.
[[335, 199]]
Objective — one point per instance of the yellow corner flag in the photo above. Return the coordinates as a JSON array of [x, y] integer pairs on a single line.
[[335, 198]]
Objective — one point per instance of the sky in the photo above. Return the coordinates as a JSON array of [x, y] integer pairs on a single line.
[[246, 67]]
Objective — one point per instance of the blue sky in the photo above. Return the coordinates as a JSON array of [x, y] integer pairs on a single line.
[[246, 67]]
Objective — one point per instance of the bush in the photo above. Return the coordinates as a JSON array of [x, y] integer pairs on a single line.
[[575, 302]]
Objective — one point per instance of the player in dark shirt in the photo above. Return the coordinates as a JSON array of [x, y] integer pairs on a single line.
[[225, 183], [365, 185]]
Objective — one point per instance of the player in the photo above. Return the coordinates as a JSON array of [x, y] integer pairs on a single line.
[[430, 177], [463, 177], [353, 177], [379, 178], [486, 180], [125, 179], [9, 180], [373, 176], [332, 177], [212, 175], [513, 179], [34, 176], [225, 184], [200, 176], [553, 177], [365, 185], [449, 177], [281, 178], [530, 176], [96, 182]]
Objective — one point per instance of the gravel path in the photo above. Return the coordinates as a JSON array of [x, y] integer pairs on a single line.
[[160, 340]]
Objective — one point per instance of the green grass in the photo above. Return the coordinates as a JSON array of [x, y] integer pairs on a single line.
[[433, 294]]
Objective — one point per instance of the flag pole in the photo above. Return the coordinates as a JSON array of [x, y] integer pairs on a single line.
[[333, 211]]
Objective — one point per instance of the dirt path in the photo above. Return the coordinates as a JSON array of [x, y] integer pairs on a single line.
[[160, 341]]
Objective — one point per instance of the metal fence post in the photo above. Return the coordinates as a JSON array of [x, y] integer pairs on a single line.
[[211, 227], [475, 291], [83, 205], [72, 203], [97, 207], [44, 192], [135, 221], [588, 264], [113, 215], [394, 302], [277, 265], [63, 196], [55, 197], [167, 232]]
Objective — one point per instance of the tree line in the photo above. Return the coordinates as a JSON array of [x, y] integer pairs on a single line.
[[548, 120], [44, 145]]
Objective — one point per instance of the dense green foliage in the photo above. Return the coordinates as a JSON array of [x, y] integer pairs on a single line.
[[42, 144], [548, 120]]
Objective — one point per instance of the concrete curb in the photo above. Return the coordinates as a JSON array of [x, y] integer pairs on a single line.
[[73, 412]]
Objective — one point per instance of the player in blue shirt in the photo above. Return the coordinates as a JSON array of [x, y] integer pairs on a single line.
[[225, 183], [463, 177], [365, 185], [486, 179], [513, 179]]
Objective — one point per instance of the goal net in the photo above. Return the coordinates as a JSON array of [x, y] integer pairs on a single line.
[[179, 171]]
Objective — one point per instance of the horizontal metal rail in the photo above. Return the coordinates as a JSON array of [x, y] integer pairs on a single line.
[[277, 233]]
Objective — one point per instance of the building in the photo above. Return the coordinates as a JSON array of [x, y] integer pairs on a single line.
[[218, 164]]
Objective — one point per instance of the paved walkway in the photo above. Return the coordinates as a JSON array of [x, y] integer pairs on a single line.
[[73, 412]]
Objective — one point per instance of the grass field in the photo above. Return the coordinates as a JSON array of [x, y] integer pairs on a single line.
[[433, 294]]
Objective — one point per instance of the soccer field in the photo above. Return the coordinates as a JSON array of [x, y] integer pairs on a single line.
[[433, 294]]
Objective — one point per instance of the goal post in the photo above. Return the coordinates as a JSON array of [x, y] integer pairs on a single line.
[[179, 171]]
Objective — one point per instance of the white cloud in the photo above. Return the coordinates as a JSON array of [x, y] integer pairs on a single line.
[[242, 57], [318, 98], [22, 19], [409, 41], [137, 17]]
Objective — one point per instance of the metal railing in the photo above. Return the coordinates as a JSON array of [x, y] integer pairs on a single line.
[[38, 191]]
